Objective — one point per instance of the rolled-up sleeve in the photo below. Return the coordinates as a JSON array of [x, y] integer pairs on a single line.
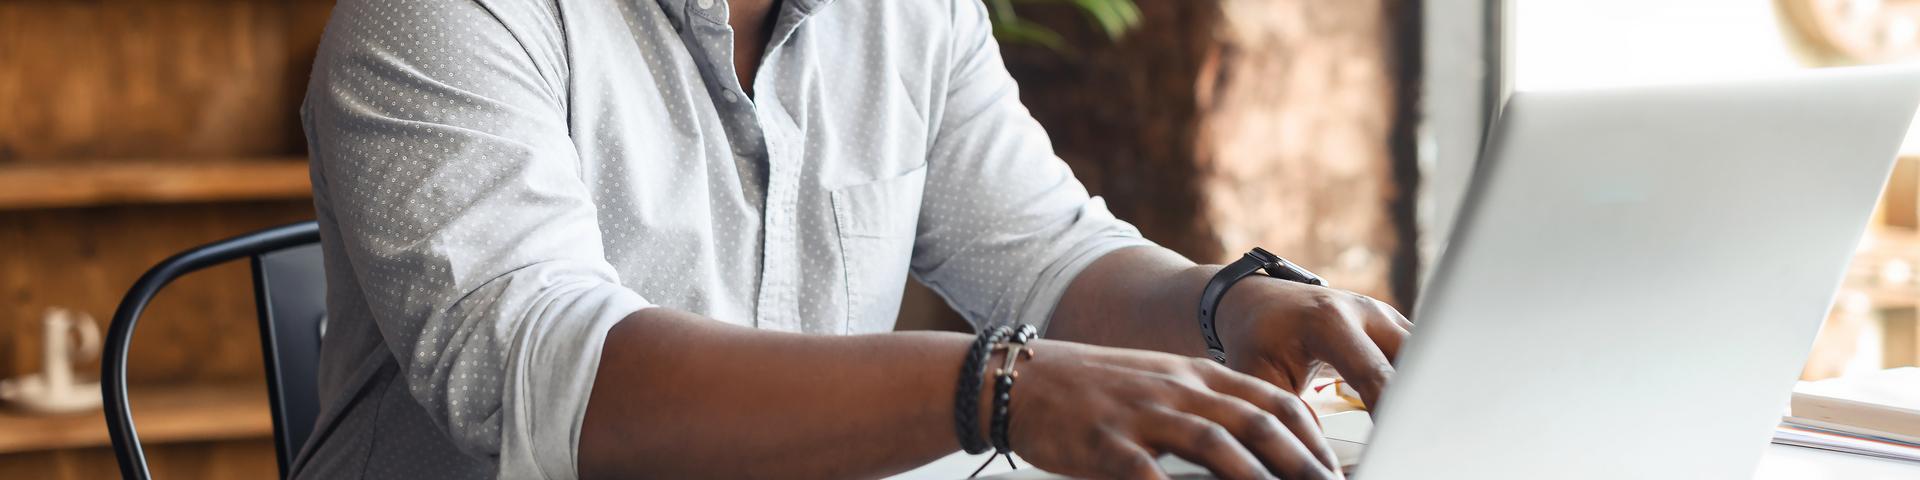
[[1004, 225], [441, 154]]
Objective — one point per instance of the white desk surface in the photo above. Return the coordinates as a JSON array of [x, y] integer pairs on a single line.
[[1781, 462]]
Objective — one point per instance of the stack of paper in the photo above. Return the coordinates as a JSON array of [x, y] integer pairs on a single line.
[[1876, 414], [1792, 434]]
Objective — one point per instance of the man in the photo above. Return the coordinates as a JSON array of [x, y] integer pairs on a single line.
[[667, 238]]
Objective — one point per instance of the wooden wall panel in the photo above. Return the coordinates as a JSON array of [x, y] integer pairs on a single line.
[[145, 78], [87, 82], [199, 329], [100, 91], [233, 459]]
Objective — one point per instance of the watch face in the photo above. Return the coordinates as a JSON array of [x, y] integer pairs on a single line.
[[1833, 32]]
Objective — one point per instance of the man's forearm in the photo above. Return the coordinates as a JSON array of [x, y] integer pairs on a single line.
[[1142, 297], [681, 396], [1273, 329]]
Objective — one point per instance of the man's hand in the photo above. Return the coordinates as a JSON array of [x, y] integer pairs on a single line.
[[1149, 298], [1279, 331], [1098, 412], [1276, 330]]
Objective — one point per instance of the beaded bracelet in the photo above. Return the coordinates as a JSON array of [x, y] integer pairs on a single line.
[[1015, 344], [966, 396], [1003, 385]]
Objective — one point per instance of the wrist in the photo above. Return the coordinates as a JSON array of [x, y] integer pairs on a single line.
[[1223, 305], [1244, 304], [1183, 293], [1003, 343]]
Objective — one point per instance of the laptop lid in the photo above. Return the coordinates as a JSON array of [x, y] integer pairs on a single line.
[[1637, 276]]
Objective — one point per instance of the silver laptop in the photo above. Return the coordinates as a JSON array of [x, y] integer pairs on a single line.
[[1636, 278]]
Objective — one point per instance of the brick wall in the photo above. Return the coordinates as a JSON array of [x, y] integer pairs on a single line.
[[1225, 124]]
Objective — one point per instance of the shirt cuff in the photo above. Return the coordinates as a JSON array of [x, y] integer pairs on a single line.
[[552, 376]]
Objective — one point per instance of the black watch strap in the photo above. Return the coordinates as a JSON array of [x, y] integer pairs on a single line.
[[1249, 264]]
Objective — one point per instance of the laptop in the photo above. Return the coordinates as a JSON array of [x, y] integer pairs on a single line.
[[1636, 278]]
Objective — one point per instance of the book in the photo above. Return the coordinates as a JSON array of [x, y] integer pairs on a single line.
[[1882, 404], [1875, 414]]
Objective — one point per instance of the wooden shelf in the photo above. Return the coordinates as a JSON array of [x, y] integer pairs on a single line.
[[195, 413], [45, 184]]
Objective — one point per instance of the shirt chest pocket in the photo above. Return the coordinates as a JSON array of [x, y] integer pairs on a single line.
[[876, 223]]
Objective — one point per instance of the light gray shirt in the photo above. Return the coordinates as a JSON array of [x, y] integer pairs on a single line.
[[498, 182]]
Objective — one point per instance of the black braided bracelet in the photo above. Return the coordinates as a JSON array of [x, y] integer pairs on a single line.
[[966, 395], [1003, 386]]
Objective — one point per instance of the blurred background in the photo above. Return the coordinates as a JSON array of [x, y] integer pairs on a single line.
[[1338, 133]]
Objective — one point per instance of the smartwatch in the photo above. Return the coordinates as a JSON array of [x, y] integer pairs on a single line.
[[1252, 263]]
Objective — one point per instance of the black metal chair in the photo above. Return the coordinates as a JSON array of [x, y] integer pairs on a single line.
[[289, 287]]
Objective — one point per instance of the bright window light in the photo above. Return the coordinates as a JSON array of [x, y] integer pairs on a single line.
[[1559, 44]]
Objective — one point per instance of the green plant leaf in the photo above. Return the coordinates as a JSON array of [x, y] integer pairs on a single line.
[[1113, 17], [1023, 32]]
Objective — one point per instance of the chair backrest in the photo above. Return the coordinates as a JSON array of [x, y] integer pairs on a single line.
[[290, 288], [287, 286]]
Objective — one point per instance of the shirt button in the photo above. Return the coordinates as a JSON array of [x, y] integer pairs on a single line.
[[706, 4], [727, 94]]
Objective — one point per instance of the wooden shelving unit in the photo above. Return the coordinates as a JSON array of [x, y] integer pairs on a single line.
[[131, 131], [161, 415], [45, 184]]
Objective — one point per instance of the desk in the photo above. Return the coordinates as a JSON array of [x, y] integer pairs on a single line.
[[1780, 462]]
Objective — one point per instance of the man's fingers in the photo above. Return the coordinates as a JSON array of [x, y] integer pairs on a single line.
[[1127, 460], [1292, 412], [1354, 354], [1386, 327], [1398, 318], [1280, 447], [1202, 442]]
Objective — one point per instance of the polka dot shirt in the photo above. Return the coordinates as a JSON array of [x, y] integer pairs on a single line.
[[498, 182]]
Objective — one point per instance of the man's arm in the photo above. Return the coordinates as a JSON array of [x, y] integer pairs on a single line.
[[1143, 297], [1149, 297], [681, 396], [446, 183]]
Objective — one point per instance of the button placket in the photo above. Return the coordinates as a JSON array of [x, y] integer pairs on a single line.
[[760, 133], [784, 169], [774, 301], [776, 249], [717, 40], [779, 248]]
